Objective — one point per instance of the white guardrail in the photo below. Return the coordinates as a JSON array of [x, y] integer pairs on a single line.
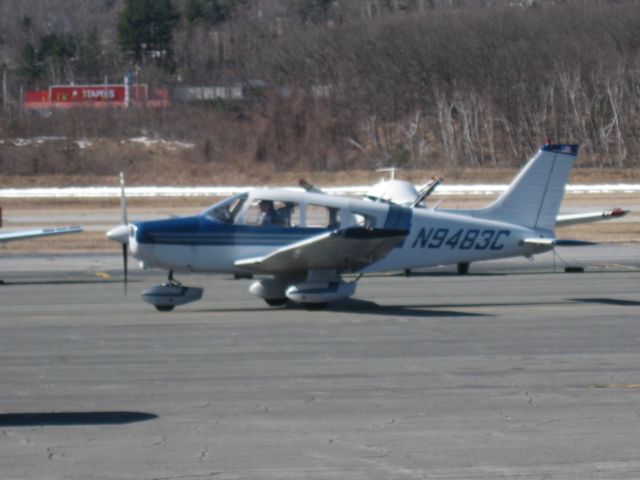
[[213, 191]]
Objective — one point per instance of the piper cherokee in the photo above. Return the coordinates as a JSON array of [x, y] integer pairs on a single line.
[[304, 241]]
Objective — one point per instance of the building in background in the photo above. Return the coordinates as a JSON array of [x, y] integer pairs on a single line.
[[95, 96]]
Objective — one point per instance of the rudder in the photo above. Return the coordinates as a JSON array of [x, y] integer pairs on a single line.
[[533, 199]]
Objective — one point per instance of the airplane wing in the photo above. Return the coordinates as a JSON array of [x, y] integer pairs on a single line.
[[43, 232], [345, 250], [578, 218]]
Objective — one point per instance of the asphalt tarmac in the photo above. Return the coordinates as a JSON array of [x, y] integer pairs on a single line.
[[515, 371]]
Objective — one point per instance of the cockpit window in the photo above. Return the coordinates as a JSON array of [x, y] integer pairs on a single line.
[[321, 216], [364, 220], [226, 210], [272, 213]]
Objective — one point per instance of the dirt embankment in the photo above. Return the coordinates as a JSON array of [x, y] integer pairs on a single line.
[[58, 160]]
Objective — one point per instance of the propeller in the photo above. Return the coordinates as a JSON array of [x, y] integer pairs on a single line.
[[121, 232], [125, 221]]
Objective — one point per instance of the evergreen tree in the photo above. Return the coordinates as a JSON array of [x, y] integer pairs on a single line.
[[56, 51], [145, 30], [194, 10], [90, 62], [31, 68], [212, 11], [314, 11]]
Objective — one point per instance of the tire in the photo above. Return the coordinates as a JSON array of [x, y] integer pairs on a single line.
[[165, 308], [463, 268], [276, 302], [242, 276]]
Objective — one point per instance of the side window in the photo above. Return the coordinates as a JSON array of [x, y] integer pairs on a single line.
[[294, 219], [271, 213], [362, 220], [321, 216]]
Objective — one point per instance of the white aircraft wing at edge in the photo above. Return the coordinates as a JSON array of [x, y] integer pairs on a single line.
[[43, 232], [347, 250]]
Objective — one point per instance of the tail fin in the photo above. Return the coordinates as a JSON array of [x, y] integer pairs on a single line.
[[533, 198]]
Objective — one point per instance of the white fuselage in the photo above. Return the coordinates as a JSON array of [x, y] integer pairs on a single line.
[[438, 238], [435, 238]]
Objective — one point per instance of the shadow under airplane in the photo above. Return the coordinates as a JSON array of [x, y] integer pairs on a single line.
[[63, 419], [608, 301]]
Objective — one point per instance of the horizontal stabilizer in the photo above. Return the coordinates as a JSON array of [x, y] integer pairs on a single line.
[[345, 250], [579, 218], [553, 242]]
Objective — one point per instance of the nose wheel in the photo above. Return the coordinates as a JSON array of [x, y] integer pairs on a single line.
[[170, 294]]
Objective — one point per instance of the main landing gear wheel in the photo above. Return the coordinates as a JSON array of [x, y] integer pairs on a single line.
[[276, 302], [463, 268], [165, 308]]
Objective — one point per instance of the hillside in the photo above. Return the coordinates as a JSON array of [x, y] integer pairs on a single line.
[[419, 84]]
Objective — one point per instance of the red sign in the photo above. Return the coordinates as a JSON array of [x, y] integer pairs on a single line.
[[87, 93], [96, 96]]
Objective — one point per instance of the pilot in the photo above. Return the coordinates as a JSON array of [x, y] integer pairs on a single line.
[[267, 213]]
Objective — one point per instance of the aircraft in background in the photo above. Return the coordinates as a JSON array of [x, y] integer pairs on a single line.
[[303, 242]]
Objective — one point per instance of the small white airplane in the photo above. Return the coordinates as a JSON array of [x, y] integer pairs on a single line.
[[305, 241]]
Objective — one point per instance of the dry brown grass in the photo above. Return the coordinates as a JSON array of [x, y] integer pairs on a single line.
[[58, 163]]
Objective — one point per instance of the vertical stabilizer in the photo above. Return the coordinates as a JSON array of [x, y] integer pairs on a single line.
[[533, 198]]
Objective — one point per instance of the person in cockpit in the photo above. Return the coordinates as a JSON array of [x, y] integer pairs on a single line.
[[267, 213]]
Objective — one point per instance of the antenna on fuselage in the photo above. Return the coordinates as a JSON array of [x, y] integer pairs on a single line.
[[427, 190], [309, 187], [392, 170]]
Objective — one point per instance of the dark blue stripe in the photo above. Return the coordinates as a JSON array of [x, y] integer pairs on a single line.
[[200, 230], [398, 218]]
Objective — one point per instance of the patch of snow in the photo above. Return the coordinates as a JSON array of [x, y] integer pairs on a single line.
[[24, 142], [170, 144]]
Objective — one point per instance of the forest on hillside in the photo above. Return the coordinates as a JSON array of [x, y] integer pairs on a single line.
[[415, 83]]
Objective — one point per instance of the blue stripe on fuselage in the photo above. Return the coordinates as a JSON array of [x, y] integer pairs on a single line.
[[201, 230], [398, 218]]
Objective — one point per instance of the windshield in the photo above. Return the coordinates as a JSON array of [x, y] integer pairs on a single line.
[[226, 210]]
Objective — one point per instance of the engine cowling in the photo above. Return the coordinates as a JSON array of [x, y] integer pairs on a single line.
[[320, 292]]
